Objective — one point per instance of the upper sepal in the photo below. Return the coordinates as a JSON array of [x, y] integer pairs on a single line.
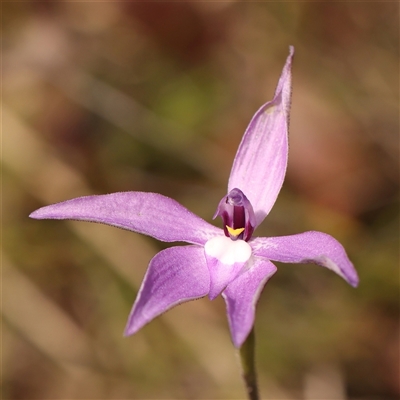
[[260, 163]]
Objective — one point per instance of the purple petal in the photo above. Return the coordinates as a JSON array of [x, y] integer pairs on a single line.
[[242, 295], [226, 258], [308, 247], [175, 275], [149, 213], [260, 164]]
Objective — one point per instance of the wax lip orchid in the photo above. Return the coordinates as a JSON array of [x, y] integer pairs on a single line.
[[228, 261]]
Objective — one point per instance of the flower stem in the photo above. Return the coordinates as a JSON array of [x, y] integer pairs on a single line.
[[248, 367]]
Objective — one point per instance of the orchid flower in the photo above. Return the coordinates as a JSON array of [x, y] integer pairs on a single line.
[[228, 261]]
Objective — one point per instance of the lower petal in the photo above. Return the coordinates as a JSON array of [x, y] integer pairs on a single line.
[[242, 295], [308, 247], [226, 258], [175, 275]]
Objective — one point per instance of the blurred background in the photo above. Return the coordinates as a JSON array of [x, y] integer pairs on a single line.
[[100, 97]]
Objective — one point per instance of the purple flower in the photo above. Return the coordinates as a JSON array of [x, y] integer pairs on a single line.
[[228, 261]]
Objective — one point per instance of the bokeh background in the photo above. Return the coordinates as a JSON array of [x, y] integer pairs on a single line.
[[101, 97]]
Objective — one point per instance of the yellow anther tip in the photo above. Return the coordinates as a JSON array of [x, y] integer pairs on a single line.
[[234, 232]]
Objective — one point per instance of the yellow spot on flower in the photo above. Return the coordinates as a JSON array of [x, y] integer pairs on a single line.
[[234, 232]]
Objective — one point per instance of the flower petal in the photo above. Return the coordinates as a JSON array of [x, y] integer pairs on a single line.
[[308, 247], [260, 164], [148, 213], [175, 275], [241, 297], [226, 258]]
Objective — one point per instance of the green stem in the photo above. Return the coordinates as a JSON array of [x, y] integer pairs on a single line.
[[248, 367]]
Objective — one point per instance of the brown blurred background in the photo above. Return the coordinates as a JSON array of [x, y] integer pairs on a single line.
[[101, 97]]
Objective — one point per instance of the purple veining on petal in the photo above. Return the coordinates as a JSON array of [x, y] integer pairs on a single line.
[[242, 295], [259, 166], [237, 213], [175, 275], [148, 213], [316, 247]]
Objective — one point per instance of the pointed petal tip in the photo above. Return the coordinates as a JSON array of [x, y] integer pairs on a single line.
[[130, 330], [238, 344], [349, 274], [353, 281], [33, 214], [127, 332], [39, 214], [52, 211]]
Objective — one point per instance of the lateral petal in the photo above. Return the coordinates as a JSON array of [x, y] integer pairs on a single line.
[[148, 213], [260, 163], [175, 275], [241, 297], [308, 247]]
